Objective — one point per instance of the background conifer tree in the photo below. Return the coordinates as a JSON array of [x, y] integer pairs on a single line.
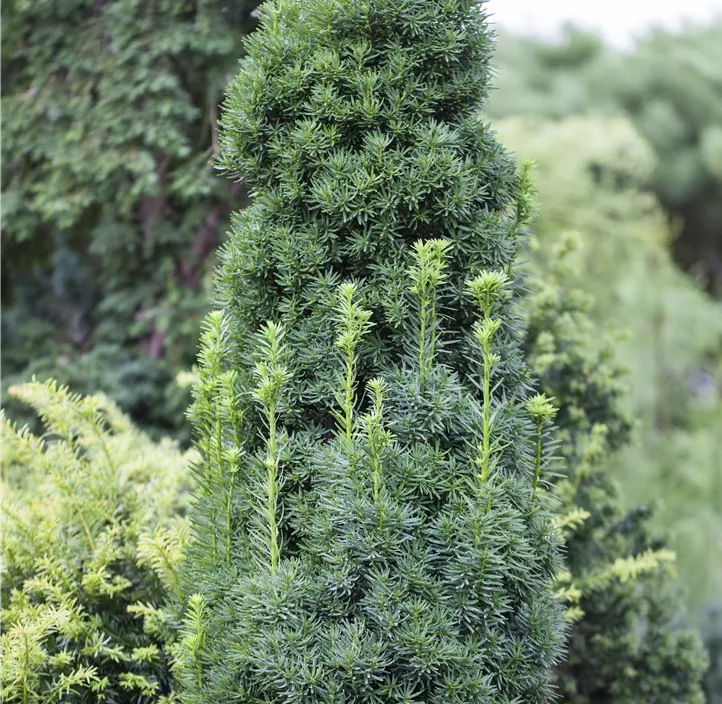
[[368, 519], [628, 641]]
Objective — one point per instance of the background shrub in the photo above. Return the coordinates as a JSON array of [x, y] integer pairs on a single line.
[[91, 539], [111, 213]]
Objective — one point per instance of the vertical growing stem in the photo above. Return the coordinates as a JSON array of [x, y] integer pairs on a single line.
[[232, 457], [538, 455], [353, 322], [272, 467], [218, 441], [486, 411], [422, 341], [487, 288], [208, 408], [349, 389], [376, 434], [541, 409], [272, 375], [426, 276]]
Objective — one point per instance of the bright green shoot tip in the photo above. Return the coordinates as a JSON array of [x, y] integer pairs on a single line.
[[541, 408]]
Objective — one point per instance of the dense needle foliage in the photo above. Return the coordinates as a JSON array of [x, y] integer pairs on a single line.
[[372, 505], [369, 521], [91, 539]]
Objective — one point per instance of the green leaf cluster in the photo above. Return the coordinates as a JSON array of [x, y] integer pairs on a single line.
[[111, 213]]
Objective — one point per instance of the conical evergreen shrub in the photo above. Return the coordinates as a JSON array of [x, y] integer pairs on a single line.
[[368, 522]]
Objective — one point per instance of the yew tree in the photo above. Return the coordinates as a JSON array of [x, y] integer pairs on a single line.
[[369, 521]]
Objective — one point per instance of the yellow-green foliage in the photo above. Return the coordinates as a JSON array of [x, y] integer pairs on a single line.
[[92, 532]]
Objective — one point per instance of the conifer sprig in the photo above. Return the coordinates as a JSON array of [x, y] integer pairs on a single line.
[[352, 323], [427, 274], [542, 410], [377, 437], [489, 289], [271, 374]]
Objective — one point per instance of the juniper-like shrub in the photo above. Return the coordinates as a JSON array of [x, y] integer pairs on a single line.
[[628, 642], [91, 539], [369, 523]]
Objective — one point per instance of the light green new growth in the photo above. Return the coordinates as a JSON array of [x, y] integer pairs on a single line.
[[272, 374], [542, 410], [426, 277], [194, 636], [91, 552], [353, 323], [377, 436], [526, 205], [210, 362], [488, 289], [216, 388]]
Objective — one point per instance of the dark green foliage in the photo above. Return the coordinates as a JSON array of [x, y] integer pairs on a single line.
[[669, 85], [110, 209], [91, 538], [368, 522], [627, 644], [358, 144]]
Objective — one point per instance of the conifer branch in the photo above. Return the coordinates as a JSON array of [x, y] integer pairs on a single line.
[[489, 288], [426, 277], [541, 410], [271, 374], [353, 322]]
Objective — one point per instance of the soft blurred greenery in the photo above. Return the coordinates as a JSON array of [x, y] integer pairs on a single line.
[[669, 84], [590, 172]]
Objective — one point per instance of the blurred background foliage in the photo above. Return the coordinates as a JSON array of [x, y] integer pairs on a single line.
[[628, 164], [112, 213], [591, 173], [669, 85]]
